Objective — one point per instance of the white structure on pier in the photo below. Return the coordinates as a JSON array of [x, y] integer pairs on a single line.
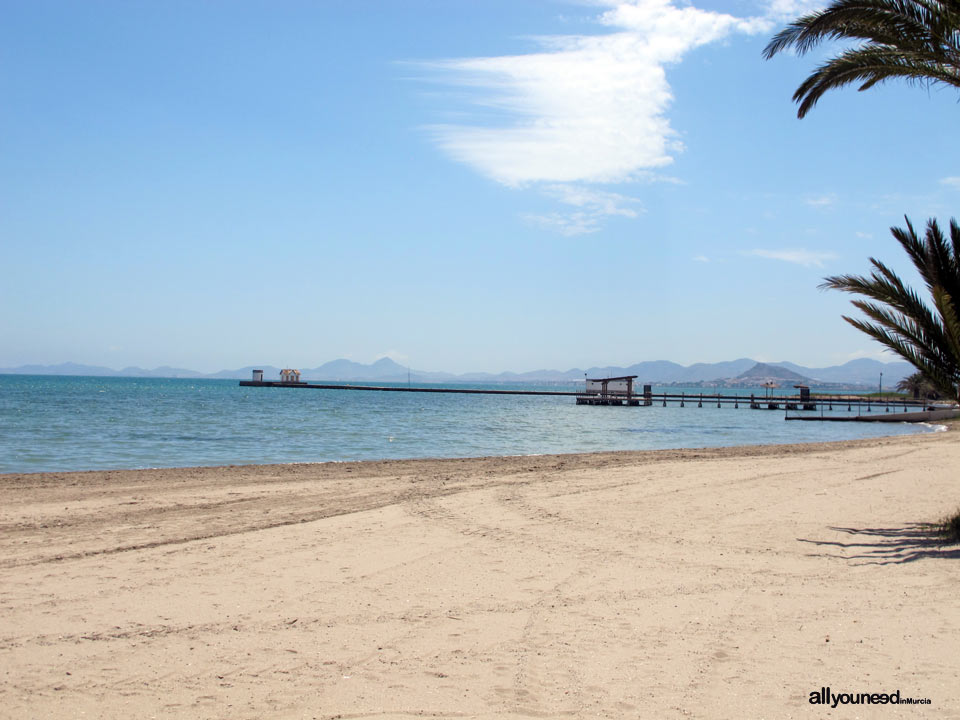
[[612, 391], [287, 375], [611, 386]]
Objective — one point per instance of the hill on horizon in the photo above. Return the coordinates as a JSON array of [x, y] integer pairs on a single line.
[[862, 372], [763, 373]]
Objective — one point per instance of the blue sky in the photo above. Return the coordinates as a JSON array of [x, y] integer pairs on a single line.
[[459, 185]]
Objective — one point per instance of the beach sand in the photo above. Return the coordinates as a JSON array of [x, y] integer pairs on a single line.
[[714, 583]]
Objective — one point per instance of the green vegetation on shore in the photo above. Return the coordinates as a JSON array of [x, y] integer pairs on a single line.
[[949, 529], [891, 396]]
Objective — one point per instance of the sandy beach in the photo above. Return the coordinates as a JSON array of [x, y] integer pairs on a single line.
[[700, 583]]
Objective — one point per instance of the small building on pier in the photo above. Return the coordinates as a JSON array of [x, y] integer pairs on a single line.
[[805, 401], [611, 391], [288, 375]]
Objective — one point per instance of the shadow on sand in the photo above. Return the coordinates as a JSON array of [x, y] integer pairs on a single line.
[[888, 546]]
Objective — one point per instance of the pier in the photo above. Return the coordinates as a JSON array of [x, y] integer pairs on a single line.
[[388, 388], [808, 406]]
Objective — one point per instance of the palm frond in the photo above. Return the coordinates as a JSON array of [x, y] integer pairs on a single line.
[[955, 242], [926, 335], [943, 381], [904, 328], [951, 324], [877, 21], [869, 66], [915, 40], [885, 287]]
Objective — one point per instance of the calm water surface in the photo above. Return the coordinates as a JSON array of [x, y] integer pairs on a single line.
[[83, 423]]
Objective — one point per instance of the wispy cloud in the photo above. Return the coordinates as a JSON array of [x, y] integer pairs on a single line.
[[821, 200], [953, 182], [594, 201], [586, 108], [863, 235], [806, 258], [592, 206], [701, 258], [781, 10], [575, 223]]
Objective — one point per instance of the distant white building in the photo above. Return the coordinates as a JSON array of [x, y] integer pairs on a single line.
[[611, 386], [613, 391], [288, 375]]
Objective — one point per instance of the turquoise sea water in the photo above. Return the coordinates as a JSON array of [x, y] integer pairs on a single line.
[[50, 423]]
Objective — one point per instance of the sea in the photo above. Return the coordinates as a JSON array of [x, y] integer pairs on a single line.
[[59, 423]]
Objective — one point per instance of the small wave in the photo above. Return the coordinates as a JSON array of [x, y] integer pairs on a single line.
[[935, 428]]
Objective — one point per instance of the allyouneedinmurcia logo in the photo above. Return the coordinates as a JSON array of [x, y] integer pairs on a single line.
[[824, 696]]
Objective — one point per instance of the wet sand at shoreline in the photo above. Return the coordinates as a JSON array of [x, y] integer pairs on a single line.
[[715, 583]]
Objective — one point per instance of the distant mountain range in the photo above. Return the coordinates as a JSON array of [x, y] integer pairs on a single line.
[[863, 372]]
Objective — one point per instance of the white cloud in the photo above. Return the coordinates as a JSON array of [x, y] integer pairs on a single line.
[[863, 235], [807, 258], [569, 224], [953, 182], [595, 201], [587, 108], [785, 10], [701, 258], [821, 200], [592, 207]]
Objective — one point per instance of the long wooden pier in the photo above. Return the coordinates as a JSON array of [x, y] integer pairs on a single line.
[[387, 388], [811, 404]]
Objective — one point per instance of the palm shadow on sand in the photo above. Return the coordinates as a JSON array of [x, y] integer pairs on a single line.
[[888, 546]]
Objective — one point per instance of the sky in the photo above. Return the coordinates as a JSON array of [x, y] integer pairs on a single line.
[[458, 185]]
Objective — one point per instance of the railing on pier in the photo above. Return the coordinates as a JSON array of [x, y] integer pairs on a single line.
[[812, 403]]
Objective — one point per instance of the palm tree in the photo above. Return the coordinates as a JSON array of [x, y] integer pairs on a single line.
[[927, 337], [918, 40], [918, 386]]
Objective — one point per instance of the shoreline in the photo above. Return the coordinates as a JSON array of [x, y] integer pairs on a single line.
[[682, 582], [936, 427]]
